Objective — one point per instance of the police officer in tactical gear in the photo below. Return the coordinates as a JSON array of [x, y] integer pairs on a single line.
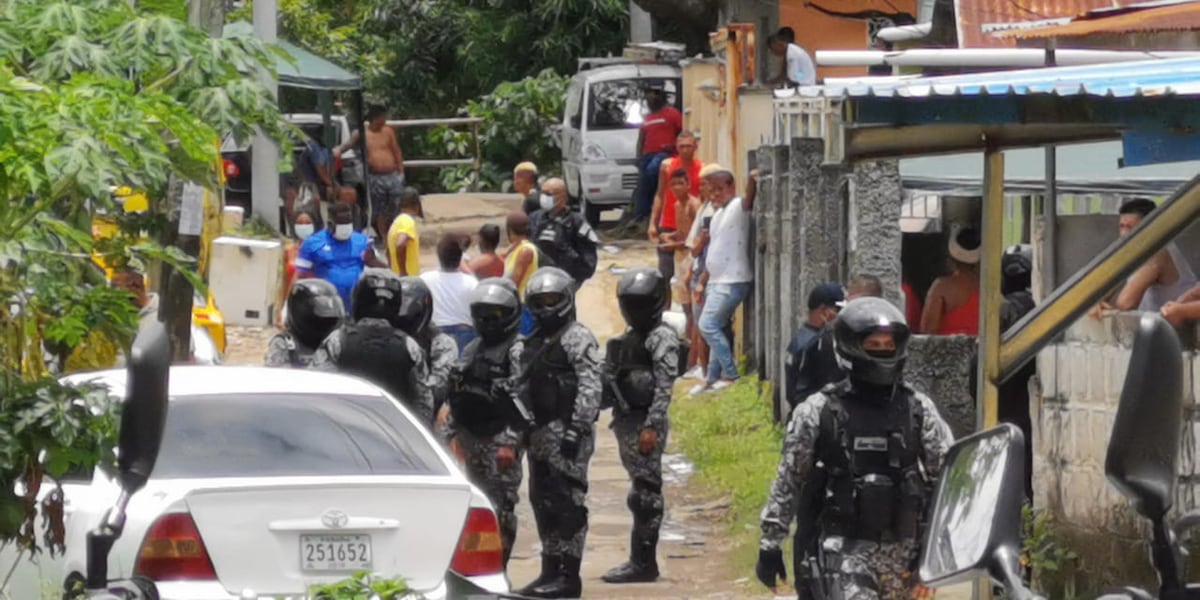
[[314, 310], [880, 445], [557, 371], [483, 418], [640, 369], [416, 319], [372, 346], [1017, 268]]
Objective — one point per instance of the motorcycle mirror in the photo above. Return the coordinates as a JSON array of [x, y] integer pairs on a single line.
[[976, 518], [1143, 452], [144, 413]]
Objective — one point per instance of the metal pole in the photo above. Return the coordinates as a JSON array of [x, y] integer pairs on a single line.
[[1049, 253], [987, 394], [264, 159], [478, 156]]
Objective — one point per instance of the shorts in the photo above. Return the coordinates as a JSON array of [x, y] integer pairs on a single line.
[[681, 290], [385, 195]]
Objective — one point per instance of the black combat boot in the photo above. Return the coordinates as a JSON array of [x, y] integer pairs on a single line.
[[566, 585], [550, 569], [642, 566]]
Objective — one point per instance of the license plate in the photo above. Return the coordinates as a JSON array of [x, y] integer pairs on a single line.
[[335, 552]]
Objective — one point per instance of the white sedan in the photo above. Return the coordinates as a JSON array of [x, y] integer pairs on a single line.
[[271, 480]]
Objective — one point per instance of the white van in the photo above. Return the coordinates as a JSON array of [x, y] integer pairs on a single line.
[[604, 111]]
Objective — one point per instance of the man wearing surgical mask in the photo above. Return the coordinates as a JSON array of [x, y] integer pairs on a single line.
[[337, 254], [563, 235]]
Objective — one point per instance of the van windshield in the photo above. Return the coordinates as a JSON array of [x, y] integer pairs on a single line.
[[620, 103]]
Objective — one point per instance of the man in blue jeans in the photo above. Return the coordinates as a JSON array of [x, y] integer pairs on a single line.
[[656, 143], [727, 277]]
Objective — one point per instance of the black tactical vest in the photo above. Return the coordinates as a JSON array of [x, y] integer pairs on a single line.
[[550, 384], [378, 352], [632, 369], [870, 452], [472, 403]]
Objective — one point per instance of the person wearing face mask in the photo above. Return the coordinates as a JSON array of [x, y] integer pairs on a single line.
[[303, 226], [337, 255], [564, 235], [877, 447]]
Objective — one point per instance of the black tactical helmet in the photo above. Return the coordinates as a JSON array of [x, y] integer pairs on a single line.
[[1017, 266], [416, 305], [495, 308], [376, 295], [550, 295], [860, 318], [314, 310], [642, 296]]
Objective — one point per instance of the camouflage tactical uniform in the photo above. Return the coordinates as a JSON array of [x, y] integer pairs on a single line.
[[558, 484], [645, 499], [479, 447], [857, 569], [280, 351], [443, 352], [327, 355]]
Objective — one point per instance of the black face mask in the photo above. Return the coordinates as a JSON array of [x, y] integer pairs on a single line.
[[880, 353]]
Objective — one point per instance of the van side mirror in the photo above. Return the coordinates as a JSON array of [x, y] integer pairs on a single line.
[[975, 524], [1143, 452], [144, 413]]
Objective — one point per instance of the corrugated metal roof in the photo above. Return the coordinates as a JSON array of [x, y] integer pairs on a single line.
[[1179, 76], [972, 15], [1179, 17]]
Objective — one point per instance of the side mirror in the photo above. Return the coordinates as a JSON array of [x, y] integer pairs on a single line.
[[976, 519], [1143, 452], [144, 413]]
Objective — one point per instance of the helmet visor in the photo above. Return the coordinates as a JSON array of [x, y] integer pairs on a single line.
[[546, 300]]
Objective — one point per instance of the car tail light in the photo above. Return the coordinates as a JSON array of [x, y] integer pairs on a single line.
[[173, 551], [480, 550], [231, 168]]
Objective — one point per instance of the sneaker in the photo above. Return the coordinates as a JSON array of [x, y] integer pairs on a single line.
[[696, 372], [699, 388], [720, 385]]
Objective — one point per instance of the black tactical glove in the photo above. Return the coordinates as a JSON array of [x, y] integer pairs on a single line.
[[770, 566], [570, 443]]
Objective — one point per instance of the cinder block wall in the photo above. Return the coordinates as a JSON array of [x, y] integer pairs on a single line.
[[1074, 401]]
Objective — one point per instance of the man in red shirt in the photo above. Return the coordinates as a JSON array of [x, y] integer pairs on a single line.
[[656, 142], [662, 216]]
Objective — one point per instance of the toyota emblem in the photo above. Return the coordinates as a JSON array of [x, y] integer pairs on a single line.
[[335, 519]]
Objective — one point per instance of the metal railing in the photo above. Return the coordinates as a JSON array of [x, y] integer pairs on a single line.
[[475, 161], [801, 117]]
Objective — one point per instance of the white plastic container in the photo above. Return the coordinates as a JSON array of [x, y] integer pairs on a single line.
[[232, 218], [245, 276]]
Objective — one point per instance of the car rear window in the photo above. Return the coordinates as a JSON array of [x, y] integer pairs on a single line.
[[261, 435]]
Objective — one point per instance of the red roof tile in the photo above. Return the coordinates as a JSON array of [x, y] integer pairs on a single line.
[[974, 14]]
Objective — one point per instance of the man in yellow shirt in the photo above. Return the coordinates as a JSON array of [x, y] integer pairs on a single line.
[[403, 241]]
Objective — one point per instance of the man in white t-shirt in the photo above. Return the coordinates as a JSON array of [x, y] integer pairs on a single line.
[[450, 289], [728, 274], [798, 67]]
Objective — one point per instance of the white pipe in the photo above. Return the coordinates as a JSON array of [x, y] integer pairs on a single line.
[[264, 154], [904, 33], [984, 57]]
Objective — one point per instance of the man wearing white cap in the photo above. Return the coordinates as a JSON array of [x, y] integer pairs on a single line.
[[525, 183]]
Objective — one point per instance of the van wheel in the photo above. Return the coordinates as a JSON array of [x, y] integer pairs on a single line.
[[591, 212]]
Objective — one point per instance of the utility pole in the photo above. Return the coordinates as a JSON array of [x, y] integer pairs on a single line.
[[264, 185], [186, 218]]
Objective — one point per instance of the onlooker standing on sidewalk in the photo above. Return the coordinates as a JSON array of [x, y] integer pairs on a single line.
[[403, 241], [687, 205], [697, 245], [664, 215], [337, 255], [952, 305], [729, 274], [525, 183], [656, 142], [451, 290], [488, 263], [520, 262]]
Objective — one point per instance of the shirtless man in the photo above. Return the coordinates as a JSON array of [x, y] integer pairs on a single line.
[[1159, 281], [387, 167]]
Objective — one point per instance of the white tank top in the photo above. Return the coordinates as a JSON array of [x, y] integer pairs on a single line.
[[1159, 294]]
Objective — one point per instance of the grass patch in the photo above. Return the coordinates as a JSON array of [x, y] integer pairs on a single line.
[[734, 444]]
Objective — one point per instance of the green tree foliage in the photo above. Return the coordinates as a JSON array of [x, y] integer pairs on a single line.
[[93, 94]]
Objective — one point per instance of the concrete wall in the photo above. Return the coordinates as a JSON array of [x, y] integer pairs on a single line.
[[1073, 404], [943, 368], [1082, 237]]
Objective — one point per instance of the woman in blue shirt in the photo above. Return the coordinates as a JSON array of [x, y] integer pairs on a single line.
[[337, 254]]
